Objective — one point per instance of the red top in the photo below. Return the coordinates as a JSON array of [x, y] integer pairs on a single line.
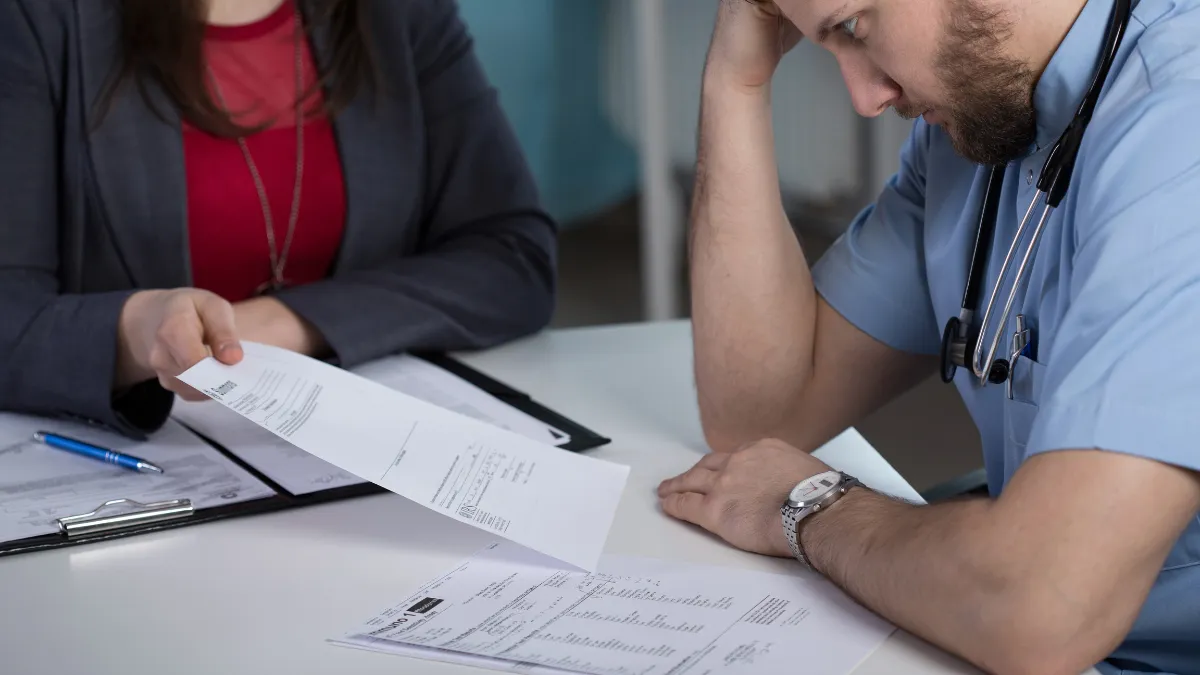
[[254, 66]]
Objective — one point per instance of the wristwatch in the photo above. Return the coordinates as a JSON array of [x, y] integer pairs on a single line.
[[812, 495]]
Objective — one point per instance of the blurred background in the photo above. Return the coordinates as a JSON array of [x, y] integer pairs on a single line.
[[604, 96]]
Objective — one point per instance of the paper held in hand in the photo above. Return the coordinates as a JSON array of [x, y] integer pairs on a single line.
[[558, 503]]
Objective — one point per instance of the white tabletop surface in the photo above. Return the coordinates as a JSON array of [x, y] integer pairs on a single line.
[[261, 594]]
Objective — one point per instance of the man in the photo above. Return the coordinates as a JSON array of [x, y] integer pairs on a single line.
[[1088, 551]]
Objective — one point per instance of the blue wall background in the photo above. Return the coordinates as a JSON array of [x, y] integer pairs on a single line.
[[544, 57]]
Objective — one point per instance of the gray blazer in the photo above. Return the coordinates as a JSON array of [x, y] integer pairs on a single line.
[[445, 245]]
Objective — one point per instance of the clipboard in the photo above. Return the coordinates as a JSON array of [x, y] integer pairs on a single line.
[[582, 438], [120, 517]]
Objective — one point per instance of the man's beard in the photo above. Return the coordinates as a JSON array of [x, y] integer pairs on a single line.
[[989, 113]]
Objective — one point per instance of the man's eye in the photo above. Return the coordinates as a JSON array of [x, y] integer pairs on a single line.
[[850, 27]]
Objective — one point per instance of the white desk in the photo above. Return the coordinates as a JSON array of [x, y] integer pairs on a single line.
[[261, 594]]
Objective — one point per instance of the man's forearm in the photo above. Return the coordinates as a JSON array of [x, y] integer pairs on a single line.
[[917, 566], [939, 573], [753, 302]]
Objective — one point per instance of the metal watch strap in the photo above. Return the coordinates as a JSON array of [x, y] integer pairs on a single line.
[[792, 516]]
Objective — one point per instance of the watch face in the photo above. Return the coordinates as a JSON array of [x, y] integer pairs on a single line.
[[814, 488]]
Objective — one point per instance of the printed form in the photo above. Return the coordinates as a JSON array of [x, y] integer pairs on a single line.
[[40, 484], [300, 472], [421, 379], [506, 610], [295, 470], [555, 502]]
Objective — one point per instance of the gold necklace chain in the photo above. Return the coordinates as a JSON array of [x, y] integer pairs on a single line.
[[278, 258]]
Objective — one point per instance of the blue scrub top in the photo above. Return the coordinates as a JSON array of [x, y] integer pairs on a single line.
[[1113, 294]]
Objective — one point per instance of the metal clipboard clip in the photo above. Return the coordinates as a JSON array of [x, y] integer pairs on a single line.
[[102, 520]]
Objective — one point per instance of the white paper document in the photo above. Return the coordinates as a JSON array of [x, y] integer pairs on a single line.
[[422, 379], [295, 470], [507, 610], [300, 472], [40, 484], [555, 502]]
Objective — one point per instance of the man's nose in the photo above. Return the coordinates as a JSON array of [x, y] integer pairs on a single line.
[[871, 90]]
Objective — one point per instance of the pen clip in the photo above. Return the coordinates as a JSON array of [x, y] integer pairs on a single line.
[[1008, 381], [96, 521], [1016, 347]]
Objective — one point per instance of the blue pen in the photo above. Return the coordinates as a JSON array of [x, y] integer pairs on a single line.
[[95, 452]]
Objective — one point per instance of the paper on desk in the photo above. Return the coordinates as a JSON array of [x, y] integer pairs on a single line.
[[555, 502], [506, 610], [40, 484], [422, 379]]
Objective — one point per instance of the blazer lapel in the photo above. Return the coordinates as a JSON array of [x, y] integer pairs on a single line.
[[136, 158], [377, 161]]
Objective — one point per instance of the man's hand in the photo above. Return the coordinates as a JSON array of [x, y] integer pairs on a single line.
[[750, 38], [737, 496], [164, 332]]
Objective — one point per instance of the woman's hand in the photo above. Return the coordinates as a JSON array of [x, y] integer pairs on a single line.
[[162, 333]]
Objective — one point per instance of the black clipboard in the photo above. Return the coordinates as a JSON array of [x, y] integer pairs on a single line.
[[119, 518], [582, 438]]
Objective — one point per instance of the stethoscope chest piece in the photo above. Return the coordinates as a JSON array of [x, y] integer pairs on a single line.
[[955, 343], [999, 371], [952, 350]]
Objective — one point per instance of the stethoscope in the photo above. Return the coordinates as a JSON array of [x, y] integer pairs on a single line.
[[961, 342]]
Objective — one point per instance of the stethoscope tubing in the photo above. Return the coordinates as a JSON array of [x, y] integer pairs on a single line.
[[977, 364]]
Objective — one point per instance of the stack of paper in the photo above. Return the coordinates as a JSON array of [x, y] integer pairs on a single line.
[[506, 609]]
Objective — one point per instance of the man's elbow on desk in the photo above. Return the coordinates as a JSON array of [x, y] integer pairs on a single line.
[[721, 431], [804, 433], [728, 428], [719, 439], [728, 439]]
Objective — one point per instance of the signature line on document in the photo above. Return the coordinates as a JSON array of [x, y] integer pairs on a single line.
[[400, 454]]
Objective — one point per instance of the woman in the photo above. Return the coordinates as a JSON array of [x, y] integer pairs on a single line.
[[329, 176]]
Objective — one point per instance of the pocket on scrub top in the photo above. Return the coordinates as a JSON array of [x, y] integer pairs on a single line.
[[1019, 412]]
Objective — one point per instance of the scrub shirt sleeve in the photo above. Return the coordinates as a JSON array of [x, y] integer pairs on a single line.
[[874, 274], [1123, 374]]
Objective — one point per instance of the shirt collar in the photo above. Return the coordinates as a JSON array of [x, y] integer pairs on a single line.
[[1067, 77]]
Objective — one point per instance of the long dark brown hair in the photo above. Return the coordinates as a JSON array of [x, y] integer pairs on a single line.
[[162, 41]]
